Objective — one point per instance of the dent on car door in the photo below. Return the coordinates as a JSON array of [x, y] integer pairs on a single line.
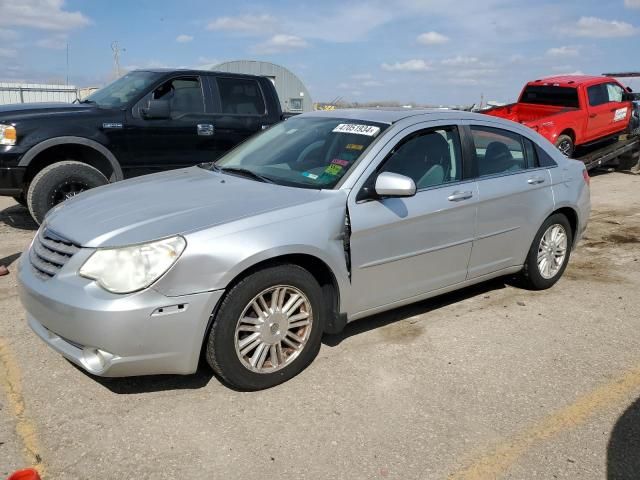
[[514, 197], [405, 247]]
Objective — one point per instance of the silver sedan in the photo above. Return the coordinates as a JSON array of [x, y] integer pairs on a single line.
[[323, 219]]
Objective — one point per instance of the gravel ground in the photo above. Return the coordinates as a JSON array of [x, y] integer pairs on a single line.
[[490, 382]]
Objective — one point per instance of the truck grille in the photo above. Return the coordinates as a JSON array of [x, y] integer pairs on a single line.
[[50, 252]]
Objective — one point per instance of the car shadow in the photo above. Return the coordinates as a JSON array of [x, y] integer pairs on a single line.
[[623, 449], [17, 216], [204, 374], [419, 308], [153, 383], [8, 260]]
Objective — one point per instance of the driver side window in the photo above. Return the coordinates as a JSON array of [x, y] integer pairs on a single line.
[[429, 157], [184, 95]]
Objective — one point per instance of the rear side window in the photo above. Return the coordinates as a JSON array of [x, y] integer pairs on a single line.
[[544, 159], [497, 151], [550, 95], [240, 96]]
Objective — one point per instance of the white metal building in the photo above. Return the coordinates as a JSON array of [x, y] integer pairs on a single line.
[[294, 96]]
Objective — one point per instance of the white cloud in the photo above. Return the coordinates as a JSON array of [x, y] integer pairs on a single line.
[[432, 38], [595, 27], [280, 43], [55, 42], [632, 3], [245, 24], [8, 53], [565, 51], [460, 60], [184, 38], [413, 65], [41, 14]]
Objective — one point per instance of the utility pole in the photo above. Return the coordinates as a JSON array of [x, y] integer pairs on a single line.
[[116, 57]]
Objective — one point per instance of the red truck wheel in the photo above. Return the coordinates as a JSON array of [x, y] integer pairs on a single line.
[[564, 143]]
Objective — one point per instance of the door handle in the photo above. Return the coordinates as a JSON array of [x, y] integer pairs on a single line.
[[457, 196], [205, 129], [535, 180]]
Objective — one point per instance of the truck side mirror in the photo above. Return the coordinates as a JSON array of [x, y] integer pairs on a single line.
[[157, 109]]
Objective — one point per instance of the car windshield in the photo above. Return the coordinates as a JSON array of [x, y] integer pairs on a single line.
[[308, 152], [550, 95], [123, 90]]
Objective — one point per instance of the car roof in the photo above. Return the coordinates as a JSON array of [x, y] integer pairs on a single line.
[[570, 80], [393, 115], [191, 71]]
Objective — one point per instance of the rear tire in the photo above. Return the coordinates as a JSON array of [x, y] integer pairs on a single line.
[[538, 274], [229, 349], [58, 182], [565, 144]]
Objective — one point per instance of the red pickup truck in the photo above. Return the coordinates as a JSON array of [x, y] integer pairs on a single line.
[[571, 110]]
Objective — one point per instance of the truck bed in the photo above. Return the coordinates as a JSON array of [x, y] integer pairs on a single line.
[[526, 112]]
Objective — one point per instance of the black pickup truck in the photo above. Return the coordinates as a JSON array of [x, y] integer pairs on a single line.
[[144, 122]]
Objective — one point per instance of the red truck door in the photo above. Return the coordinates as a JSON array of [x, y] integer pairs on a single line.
[[608, 114]]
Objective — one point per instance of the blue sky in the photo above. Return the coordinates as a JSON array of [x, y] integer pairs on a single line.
[[436, 52]]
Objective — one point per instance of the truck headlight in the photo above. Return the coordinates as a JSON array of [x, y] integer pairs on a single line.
[[129, 269], [8, 135]]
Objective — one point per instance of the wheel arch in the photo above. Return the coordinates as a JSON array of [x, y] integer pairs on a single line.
[[570, 132], [83, 149], [320, 270], [572, 217]]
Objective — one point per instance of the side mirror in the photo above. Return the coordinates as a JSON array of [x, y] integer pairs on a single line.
[[390, 184], [157, 109]]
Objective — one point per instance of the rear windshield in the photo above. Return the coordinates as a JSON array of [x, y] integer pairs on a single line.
[[550, 95]]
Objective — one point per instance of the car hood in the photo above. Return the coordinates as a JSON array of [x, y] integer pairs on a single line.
[[15, 112], [165, 204]]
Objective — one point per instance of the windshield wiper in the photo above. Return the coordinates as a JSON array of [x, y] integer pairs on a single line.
[[245, 172]]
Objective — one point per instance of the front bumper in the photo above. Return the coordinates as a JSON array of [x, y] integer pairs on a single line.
[[109, 335]]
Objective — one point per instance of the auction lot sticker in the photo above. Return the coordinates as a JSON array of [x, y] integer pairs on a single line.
[[368, 130], [621, 114]]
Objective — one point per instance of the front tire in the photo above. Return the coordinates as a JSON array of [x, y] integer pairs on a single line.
[[21, 200], [267, 329], [549, 254], [59, 182]]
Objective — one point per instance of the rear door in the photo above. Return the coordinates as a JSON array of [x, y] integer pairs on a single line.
[[405, 247], [514, 198], [240, 110], [184, 139]]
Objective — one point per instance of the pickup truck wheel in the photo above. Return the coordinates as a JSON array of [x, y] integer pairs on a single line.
[[549, 254], [59, 182], [564, 143], [267, 329]]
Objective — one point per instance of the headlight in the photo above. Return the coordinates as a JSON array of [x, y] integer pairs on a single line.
[[8, 135], [128, 269]]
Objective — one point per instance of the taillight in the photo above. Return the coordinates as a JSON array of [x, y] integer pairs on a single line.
[[585, 175]]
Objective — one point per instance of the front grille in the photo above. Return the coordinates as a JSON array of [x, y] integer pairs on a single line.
[[50, 252]]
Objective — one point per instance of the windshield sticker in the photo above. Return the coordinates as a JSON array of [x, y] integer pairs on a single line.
[[311, 176], [368, 130], [339, 161], [354, 146], [333, 169], [621, 114]]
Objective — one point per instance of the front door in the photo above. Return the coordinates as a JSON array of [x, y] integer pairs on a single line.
[[607, 112], [406, 247], [186, 138]]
